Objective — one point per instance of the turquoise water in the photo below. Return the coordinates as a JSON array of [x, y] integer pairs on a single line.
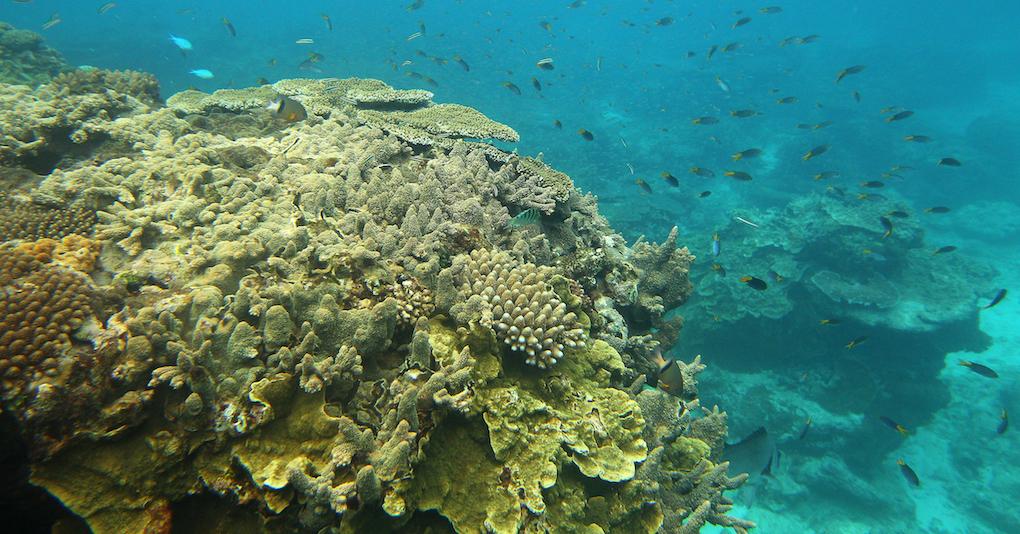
[[631, 83]]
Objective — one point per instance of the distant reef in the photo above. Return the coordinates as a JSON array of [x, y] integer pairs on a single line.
[[217, 320]]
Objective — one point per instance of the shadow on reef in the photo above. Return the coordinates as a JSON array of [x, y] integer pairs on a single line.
[[339, 324]]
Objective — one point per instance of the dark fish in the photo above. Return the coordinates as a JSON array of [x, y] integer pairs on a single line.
[[898, 214], [771, 10], [701, 171], [873, 184], [754, 283], [857, 96], [917, 138], [738, 175], [743, 113], [899, 116], [262, 81], [804, 431], [943, 250], [1003, 422], [830, 322], [820, 125], [814, 152], [536, 84], [671, 379], [230, 26], [908, 473], [949, 162], [576, 4], [999, 295], [754, 454], [936, 209], [463, 64], [980, 369], [586, 135], [894, 425], [670, 179], [855, 342], [746, 154], [704, 194], [664, 21], [718, 268], [787, 100], [417, 4], [731, 47], [741, 21], [643, 185], [527, 217], [513, 88], [848, 71], [711, 51], [808, 39], [329, 23], [558, 124], [705, 120]]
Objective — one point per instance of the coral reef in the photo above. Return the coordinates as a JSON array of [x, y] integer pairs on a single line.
[[332, 322], [25, 220], [27, 59]]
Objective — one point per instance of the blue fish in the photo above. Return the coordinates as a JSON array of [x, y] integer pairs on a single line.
[[716, 249], [205, 74], [181, 42]]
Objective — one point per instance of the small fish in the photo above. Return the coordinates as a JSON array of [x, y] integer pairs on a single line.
[[776, 277], [857, 96], [745, 221], [908, 473], [829, 322], [545, 64], [1003, 422], [754, 283], [711, 52], [671, 378], [670, 179], [512, 87], [557, 124], [719, 269], [936, 209], [999, 295], [943, 250], [980, 369], [416, 5], [740, 22], [204, 74], [704, 194], [664, 21], [855, 342], [873, 184], [824, 175], [746, 154], [770, 10], [643, 185], [820, 125], [106, 7], [585, 134], [527, 217], [305, 41], [899, 116], [899, 214], [814, 152], [262, 81], [731, 47], [716, 247], [414, 36], [705, 120], [722, 84], [545, 25], [703, 172], [848, 71], [229, 26], [536, 84], [949, 162], [804, 431], [917, 138], [180, 42], [463, 64], [894, 425], [886, 225], [53, 21], [743, 113], [808, 39], [787, 100], [288, 109], [738, 175], [329, 22]]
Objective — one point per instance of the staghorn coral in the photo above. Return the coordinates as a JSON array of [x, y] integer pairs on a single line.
[[516, 300]]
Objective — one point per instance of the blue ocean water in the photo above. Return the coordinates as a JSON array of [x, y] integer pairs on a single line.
[[635, 74]]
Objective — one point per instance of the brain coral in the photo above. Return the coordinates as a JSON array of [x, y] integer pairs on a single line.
[[40, 306], [520, 305]]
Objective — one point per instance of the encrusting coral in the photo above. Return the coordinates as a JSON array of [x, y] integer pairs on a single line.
[[332, 317]]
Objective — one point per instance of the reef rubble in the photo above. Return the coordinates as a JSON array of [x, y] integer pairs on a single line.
[[330, 325]]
